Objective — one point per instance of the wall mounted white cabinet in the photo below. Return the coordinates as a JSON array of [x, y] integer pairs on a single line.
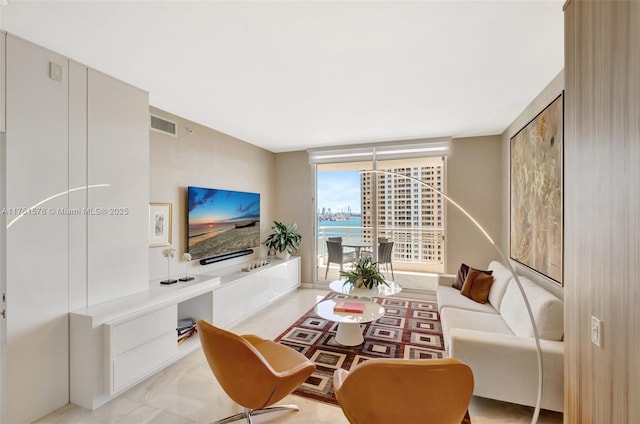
[[117, 155], [117, 344], [66, 246], [36, 242]]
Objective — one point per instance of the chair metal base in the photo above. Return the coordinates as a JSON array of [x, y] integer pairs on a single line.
[[247, 413]]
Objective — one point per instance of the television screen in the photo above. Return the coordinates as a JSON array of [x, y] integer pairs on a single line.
[[222, 221]]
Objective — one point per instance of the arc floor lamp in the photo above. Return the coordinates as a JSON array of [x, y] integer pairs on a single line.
[[505, 259]]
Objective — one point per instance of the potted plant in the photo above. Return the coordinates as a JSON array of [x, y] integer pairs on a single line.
[[364, 273], [284, 239]]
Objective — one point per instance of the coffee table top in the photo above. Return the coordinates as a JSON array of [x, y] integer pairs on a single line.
[[338, 286], [372, 311]]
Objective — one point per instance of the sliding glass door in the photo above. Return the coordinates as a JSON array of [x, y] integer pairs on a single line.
[[362, 209], [411, 214], [341, 235]]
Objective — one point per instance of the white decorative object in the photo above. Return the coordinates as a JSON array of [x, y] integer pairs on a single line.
[[168, 253], [255, 266], [187, 258]]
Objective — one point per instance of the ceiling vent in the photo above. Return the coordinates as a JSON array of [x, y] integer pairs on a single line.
[[164, 126]]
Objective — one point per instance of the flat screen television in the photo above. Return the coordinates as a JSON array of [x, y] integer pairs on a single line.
[[222, 222]]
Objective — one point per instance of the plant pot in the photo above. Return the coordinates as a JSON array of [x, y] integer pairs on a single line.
[[283, 255]]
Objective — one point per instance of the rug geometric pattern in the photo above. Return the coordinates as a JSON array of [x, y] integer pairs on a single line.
[[409, 329]]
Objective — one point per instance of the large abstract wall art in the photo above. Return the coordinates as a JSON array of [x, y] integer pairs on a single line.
[[536, 192]]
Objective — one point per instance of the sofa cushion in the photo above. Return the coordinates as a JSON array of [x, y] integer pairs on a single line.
[[477, 285], [546, 308], [471, 320], [501, 278], [463, 272], [450, 297]]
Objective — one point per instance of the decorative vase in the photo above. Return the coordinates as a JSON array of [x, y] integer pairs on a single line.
[[283, 255]]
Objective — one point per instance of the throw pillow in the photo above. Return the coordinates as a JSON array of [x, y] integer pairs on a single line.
[[463, 272], [477, 286], [461, 277]]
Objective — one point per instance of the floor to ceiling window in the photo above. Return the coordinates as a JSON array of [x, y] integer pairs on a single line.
[[412, 214], [362, 203], [340, 202]]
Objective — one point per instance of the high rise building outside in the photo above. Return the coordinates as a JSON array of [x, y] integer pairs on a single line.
[[409, 213]]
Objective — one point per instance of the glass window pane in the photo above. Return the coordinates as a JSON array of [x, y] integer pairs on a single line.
[[341, 200]]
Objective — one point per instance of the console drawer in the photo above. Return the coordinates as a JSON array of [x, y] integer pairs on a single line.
[[136, 363], [129, 334]]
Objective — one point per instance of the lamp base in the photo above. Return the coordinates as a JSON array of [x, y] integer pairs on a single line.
[[186, 278], [168, 281]]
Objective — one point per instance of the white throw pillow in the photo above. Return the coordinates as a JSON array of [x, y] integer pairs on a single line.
[[501, 278]]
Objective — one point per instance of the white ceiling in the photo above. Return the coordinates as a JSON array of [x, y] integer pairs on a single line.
[[292, 75]]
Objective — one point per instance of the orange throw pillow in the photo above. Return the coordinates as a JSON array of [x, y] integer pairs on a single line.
[[477, 285], [463, 271]]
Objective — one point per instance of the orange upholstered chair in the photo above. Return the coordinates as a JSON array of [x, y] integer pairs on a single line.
[[254, 372], [410, 391]]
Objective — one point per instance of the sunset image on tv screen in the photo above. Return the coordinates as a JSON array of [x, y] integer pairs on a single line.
[[222, 221]]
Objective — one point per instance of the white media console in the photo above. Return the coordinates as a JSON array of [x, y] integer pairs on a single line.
[[116, 344]]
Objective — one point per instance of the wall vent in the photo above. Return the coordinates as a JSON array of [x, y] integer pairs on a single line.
[[164, 126]]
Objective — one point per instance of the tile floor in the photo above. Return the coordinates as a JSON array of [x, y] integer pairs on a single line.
[[187, 393]]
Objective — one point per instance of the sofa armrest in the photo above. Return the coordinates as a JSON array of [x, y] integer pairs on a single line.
[[446, 279], [505, 367]]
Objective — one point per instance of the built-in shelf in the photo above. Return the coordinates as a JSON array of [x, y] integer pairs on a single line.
[[119, 343]]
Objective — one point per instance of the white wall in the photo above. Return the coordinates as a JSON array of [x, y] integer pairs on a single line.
[[203, 157], [60, 135]]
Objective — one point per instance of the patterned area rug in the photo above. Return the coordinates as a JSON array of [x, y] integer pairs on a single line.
[[409, 329]]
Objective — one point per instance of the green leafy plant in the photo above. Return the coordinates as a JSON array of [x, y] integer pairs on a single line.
[[364, 273], [284, 237]]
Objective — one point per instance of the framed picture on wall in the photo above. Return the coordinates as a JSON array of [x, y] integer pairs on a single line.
[[159, 224], [536, 192]]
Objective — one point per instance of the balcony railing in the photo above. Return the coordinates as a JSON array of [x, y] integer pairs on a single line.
[[411, 245]]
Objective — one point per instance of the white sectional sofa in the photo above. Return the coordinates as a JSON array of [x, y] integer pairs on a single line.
[[496, 338]]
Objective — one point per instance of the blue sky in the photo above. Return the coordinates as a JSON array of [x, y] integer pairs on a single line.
[[211, 205], [339, 189]]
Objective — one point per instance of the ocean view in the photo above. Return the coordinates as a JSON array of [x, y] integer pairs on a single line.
[[341, 228]]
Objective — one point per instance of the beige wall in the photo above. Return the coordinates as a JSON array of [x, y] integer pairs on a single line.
[[294, 196], [477, 178], [470, 181], [473, 181], [542, 100], [205, 158]]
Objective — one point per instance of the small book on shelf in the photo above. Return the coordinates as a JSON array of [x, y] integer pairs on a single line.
[[186, 323], [182, 331], [183, 337], [353, 307]]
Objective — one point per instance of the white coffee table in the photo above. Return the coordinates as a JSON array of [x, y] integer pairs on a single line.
[[349, 333], [338, 286]]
